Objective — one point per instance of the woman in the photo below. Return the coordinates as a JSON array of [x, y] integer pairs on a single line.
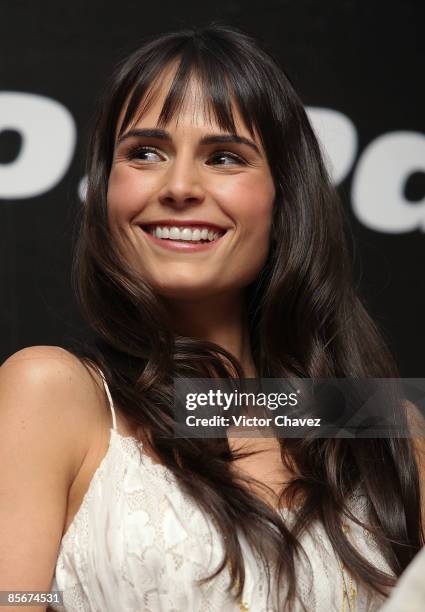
[[212, 245]]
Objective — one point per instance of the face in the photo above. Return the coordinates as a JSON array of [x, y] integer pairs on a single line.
[[190, 206]]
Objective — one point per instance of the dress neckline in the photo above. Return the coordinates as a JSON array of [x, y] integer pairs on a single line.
[[148, 463], [146, 459]]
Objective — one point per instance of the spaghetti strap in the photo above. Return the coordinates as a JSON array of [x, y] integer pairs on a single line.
[[111, 403]]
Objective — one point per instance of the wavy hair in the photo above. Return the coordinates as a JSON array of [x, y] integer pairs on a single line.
[[304, 315]]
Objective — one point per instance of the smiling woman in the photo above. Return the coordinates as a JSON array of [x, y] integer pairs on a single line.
[[212, 244], [203, 198]]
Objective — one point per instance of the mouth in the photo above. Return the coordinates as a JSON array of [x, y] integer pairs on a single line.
[[190, 237]]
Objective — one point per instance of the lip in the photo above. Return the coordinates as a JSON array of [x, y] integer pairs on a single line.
[[179, 245]]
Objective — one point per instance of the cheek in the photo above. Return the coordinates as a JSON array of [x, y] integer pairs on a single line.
[[250, 203], [126, 194]]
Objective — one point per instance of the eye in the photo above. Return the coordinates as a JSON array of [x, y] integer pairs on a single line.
[[150, 154], [141, 152], [235, 159]]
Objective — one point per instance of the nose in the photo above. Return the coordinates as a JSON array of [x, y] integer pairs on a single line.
[[182, 185]]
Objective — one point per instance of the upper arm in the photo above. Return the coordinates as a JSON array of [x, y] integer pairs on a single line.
[[43, 440]]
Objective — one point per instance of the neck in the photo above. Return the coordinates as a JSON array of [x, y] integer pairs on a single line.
[[221, 319]]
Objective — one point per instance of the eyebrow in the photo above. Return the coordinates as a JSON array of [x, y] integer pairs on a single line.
[[205, 140]]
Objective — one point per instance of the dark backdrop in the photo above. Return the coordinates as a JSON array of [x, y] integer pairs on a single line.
[[358, 67]]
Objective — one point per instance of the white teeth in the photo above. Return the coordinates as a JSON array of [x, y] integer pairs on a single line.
[[184, 233], [174, 233]]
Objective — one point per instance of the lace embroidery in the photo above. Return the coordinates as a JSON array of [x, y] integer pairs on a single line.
[[138, 544]]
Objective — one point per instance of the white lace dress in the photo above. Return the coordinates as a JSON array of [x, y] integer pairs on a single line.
[[138, 544]]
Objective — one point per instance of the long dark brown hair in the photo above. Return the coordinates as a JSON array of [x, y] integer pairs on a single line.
[[304, 314]]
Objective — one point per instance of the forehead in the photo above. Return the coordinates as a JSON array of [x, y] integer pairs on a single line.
[[194, 108]]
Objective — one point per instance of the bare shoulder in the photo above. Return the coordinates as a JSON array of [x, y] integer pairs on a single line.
[[51, 410], [49, 365], [48, 391]]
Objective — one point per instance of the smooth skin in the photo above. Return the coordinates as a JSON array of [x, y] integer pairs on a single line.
[[54, 417], [50, 423]]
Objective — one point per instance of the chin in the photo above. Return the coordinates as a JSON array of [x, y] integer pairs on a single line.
[[189, 287], [184, 292]]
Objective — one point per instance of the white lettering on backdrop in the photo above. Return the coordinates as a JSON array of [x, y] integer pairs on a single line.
[[378, 181], [48, 135]]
